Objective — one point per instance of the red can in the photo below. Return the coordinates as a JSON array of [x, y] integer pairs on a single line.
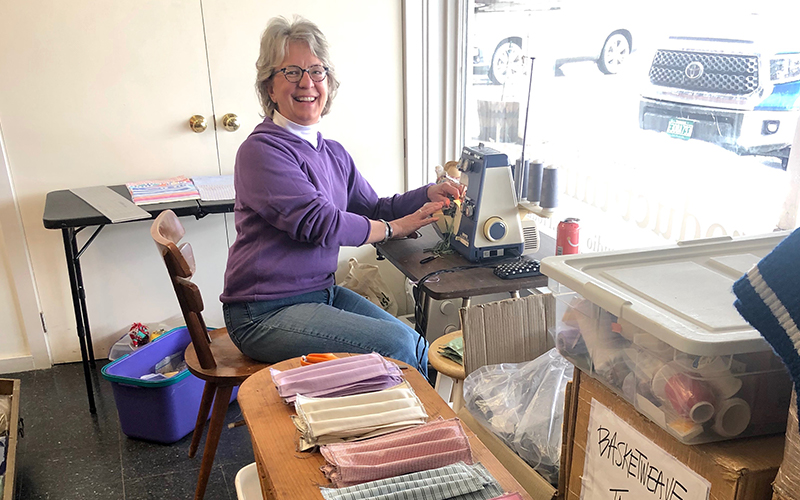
[[567, 236]]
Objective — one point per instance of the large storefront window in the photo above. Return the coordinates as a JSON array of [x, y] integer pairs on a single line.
[[665, 124]]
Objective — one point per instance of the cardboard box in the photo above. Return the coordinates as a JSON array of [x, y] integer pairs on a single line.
[[11, 387], [741, 469], [534, 484]]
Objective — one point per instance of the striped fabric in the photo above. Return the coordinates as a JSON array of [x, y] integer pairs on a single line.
[[768, 297], [334, 420], [338, 377], [457, 482], [429, 446]]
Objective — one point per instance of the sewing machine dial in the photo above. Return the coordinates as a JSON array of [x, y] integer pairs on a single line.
[[495, 229]]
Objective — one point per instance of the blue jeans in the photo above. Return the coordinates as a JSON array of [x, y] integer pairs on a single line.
[[332, 320]]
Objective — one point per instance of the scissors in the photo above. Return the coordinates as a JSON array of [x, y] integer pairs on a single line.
[[316, 357]]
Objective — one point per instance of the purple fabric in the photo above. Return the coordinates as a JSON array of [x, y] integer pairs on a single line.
[[428, 446], [295, 206], [338, 377]]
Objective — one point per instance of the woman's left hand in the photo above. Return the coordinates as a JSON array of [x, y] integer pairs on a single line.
[[444, 191]]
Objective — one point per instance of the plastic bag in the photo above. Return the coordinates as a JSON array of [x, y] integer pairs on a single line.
[[523, 404], [366, 280]]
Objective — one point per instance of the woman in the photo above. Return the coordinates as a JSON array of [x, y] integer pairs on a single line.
[[299, 197]]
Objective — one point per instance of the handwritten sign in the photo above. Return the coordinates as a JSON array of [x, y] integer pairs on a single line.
[[622, 464]]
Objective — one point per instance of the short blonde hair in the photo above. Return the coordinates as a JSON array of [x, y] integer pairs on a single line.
[[276, 37]]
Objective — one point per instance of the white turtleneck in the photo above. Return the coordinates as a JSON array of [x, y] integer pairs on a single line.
[[305, 132]]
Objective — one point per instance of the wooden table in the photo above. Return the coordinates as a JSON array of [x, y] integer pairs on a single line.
[[291, 475]]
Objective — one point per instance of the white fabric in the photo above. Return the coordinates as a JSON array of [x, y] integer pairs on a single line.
[[306, 132], [347, 418]]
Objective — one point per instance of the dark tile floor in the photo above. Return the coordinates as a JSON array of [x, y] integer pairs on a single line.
[[67, 453]]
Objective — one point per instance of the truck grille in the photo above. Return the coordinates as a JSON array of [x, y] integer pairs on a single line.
[[722, 73]]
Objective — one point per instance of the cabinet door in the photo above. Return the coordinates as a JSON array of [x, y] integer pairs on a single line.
[[366, 45], [100, 93]]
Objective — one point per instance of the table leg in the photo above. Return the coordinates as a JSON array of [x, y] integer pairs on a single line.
[[465, 301], [85, 314], [426, 309], [76, 285]]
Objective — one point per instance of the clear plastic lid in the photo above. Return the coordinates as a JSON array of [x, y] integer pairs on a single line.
[[682, 294]]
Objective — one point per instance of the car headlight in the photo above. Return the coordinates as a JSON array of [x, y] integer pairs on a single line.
[[784, 68]]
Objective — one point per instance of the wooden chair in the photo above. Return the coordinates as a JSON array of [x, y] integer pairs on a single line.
[[211, 356]]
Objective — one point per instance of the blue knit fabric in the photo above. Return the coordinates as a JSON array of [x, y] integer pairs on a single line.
[[768, 297]]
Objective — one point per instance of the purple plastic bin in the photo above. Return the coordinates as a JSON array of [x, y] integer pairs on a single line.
[[163, 411]]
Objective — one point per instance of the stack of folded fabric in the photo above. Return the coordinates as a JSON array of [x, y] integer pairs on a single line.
[[454, 350], [457, 482], [428, 446], [360, 416], [338, 377]]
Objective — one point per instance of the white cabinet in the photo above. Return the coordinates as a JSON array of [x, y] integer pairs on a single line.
[[100, 93]]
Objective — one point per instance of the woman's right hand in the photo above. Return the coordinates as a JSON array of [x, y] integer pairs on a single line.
[[404, 226]]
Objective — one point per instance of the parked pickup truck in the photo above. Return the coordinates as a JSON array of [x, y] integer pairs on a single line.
[[739, 90]]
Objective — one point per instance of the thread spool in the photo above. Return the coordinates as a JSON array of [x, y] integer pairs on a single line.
[[535, 181], [525, 179], [521, 179], [732, 418], [549, 197]]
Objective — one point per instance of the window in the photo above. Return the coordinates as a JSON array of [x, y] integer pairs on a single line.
[[665, 124]]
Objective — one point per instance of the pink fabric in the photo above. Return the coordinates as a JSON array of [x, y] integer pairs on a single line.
[[428, 446], [338, 377], [509, 496]]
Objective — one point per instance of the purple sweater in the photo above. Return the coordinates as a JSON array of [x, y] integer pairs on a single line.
[[295, 206]]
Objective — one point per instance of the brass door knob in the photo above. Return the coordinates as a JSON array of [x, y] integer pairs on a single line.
[[198, 123], [230, 122]]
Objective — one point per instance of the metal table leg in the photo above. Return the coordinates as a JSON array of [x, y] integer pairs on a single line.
[[79, 306]]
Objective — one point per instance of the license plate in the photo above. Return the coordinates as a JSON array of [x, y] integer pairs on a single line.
[[680, 128]]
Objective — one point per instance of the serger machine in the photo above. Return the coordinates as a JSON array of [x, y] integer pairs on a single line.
[[489, 224]]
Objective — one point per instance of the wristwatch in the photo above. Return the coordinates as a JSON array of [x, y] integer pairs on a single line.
[[389, 231]]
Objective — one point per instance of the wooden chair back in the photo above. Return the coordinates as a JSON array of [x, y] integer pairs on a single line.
[[167, 232]]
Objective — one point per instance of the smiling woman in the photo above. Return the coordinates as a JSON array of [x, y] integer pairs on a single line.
[[299, 198], [299, 97]]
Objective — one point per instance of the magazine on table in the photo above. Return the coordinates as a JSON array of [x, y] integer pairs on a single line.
[[179, 188]]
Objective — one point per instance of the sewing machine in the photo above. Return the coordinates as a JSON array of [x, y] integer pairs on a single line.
[[488, 223]]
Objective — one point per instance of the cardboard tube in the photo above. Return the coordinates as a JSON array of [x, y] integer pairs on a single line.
[[733, 417]]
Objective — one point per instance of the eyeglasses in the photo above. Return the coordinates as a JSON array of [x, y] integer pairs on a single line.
[[294, 74]]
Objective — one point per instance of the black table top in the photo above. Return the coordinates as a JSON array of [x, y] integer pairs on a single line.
[[407, 253], [65, 209]]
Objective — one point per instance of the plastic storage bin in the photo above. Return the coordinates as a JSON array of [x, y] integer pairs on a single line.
[[658, 327], [163, 411]]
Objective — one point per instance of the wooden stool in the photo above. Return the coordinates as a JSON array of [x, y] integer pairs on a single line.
[[450, 375]]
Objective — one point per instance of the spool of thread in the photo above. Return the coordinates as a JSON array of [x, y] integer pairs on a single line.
[[521, 179], [535, 181], [523, 191], [549, 198], [732, 418]]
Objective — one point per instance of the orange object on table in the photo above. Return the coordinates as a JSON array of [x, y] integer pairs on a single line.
[[316, 357]]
